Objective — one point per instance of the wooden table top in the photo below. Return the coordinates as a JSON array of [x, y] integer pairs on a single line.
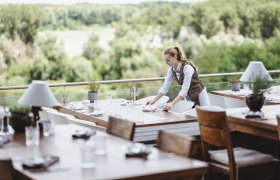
[[155, 118], [114, 165], [266, 127], [242, 93]]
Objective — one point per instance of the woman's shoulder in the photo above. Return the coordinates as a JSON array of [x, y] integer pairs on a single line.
[[188, 69], [188, 66]]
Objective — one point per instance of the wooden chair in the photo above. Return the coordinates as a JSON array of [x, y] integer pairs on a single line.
[[178, 144], [278, 120], [121, 128], [233, 162], [7, 171], [181, 145]]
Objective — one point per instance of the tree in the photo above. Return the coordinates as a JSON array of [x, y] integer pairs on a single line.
[[91, 49], [269, 18], [53, 63], [204, 21], [230, 18], [80, 70], [3, 65], [164, 19], [39, 67], [20, 20]]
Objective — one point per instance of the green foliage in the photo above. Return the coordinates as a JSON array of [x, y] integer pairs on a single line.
[[204, 21], [69, 17], [260, 85], [151, 19], [91, 49], [95, 84], [3, 65], [219, 35], [252, 18], [20, 109], [80, 70], [20, 20], [121, 29], [222, 58], [6, 52], [49, 61], [123, 49]]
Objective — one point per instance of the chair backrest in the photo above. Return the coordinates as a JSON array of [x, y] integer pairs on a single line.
[[234, 103], [182, 105], [7, 171], [216, 100], [178, 144], [278, 120], [121, 128], [214, 131]]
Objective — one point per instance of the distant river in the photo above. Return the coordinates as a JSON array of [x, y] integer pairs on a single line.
[[74, 40]]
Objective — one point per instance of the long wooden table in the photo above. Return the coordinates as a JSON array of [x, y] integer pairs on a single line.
[[114, 165], [241, 95], [146, 130], [266, 127]]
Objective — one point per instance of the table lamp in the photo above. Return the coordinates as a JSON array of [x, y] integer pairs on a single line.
[[255, 69], [38, 94], [255, 74]]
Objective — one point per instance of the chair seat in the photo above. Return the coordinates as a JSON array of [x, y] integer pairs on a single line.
[[243, 157]]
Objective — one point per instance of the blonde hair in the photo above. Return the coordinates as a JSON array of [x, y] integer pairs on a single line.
[[176, 51]]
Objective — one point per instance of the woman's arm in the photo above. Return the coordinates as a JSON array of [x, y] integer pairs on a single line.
[[152, 101], [168, 106], [164, 88]]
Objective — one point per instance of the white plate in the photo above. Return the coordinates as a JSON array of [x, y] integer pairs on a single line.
[[96, 113]]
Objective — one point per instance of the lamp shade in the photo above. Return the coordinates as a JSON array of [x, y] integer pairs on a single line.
[[38, 94], [255, 69]]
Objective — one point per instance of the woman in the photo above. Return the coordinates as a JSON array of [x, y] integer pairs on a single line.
[[185, 73]]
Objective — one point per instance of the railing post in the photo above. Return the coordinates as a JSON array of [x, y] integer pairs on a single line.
[[133, 93]]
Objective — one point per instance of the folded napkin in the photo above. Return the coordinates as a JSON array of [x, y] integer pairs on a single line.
[[149, 108], [138, 150], [40, 162], [83, 134]]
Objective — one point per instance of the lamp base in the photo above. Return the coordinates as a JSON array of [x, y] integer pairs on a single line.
[[254, 114], [35, 110]]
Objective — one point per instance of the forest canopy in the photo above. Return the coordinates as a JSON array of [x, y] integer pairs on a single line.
[[219, 35]]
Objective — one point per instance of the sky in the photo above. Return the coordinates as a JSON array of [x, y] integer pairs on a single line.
[[87, 1]]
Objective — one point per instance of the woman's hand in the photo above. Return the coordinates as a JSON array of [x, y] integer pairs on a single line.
[[168, 106], [150, 102]]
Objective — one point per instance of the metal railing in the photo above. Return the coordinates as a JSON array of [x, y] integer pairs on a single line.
[[129, 80]]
